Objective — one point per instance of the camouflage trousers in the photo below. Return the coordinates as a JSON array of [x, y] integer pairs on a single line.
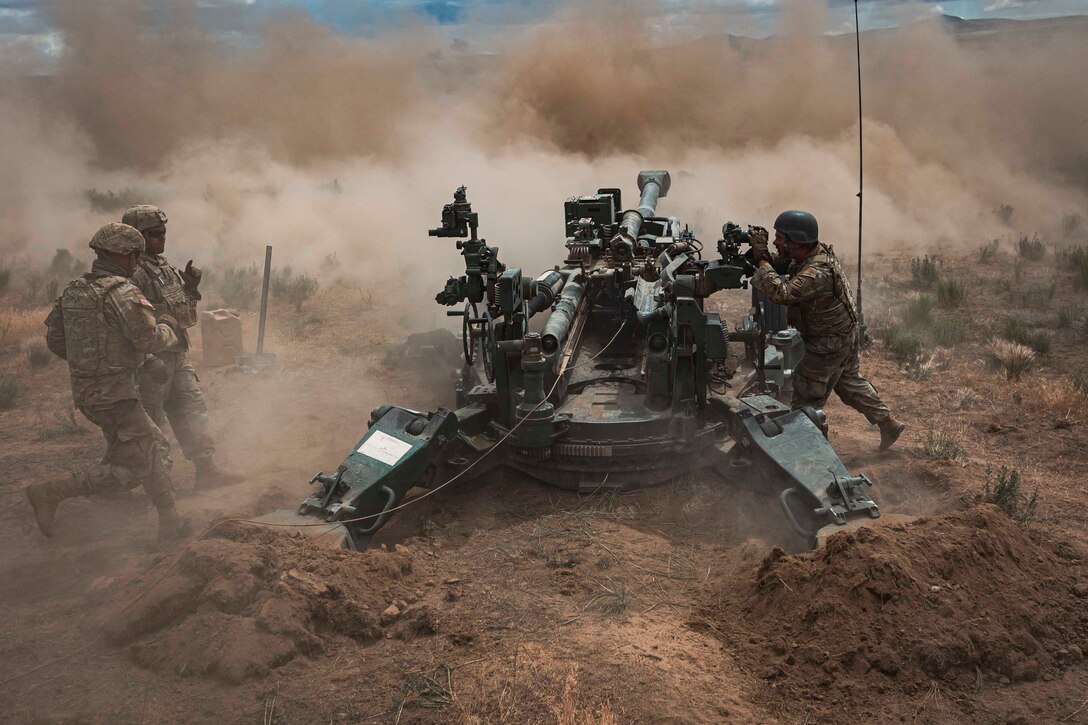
[[834, 366], [137, 453], [180, 402]]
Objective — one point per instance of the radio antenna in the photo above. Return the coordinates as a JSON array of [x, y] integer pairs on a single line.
[[863, 331]]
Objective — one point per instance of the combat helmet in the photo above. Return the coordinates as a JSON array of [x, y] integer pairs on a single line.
[[799, 226], [143, 217], [117, 238]]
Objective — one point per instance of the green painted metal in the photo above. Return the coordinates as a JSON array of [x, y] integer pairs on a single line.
[[625, 385]]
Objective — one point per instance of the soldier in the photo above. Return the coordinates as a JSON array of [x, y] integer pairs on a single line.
[[179, 400], [105, 328], [822, 310]]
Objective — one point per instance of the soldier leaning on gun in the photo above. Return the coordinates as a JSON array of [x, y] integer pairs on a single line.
[[178, 399], [106, 330], [822, 310]]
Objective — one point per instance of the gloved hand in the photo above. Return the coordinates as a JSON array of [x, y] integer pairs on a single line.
[[190, 277], [156, 370], [172, 324], [760, 253], [758, 235]]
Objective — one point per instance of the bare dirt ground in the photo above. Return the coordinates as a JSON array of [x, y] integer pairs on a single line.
[[516, 602]]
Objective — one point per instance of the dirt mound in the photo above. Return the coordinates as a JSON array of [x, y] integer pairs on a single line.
[[247, 600], [955, 598]]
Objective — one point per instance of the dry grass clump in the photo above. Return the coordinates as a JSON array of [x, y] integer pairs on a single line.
[[918, 311], [1020, 332], [568, 712], [19, 325], [987, 253], [1067, 398], [966, 399], [951, 293], [37, 353], [1032, 249], [1012, 357], [940, 446], [9, 391]]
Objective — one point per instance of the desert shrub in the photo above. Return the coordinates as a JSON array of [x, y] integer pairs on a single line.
[[941, 446], [1079, 381], [1019, 332], [924, 272], [1004, 213], [301, 323], [239, 286], [9, 391], [1066, 319], [34, 282], [918, 310], [111, 201], [907, 346], [295, 289], [987, 253], [37, 353], [1032, 249], [1004, 491], [1015, 359], [966, 399], [64, 263], [951, 293], [949, 331], [1037, 297], [1079, 263], [5, 279], [921, 369], [330, 262]]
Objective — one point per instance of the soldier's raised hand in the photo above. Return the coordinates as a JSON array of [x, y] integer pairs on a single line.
[[191, 277]]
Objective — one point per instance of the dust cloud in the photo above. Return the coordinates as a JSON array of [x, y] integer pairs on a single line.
[[319, 143]]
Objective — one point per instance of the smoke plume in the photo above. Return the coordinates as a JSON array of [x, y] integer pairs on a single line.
[[320, 143]]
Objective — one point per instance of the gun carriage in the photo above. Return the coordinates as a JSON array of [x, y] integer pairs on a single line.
[[624, 384]]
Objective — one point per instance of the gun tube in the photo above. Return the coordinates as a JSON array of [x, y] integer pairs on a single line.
[[652, 184], [557, 327]]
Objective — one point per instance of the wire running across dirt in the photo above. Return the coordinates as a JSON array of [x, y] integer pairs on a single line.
[[216, 525]]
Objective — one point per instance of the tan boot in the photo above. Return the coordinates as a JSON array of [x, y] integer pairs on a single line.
[[890, 430], [171, 526], [208, 475], [45, 497]]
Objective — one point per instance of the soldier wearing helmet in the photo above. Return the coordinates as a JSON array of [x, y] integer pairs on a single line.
[[178, 399], [823, 311], [107, 331]]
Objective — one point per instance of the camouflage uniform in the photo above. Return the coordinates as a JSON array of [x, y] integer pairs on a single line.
[[822, 310], [179, 399], [105, 328]]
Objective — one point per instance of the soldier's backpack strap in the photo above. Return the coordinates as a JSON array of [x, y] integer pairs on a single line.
[[840, 289]]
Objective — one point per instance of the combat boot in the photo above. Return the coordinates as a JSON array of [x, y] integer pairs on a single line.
[[45, 497], [209, 475], [890, 430], [171, 526]]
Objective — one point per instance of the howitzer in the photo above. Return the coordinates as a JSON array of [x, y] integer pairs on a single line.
[[624, 385]]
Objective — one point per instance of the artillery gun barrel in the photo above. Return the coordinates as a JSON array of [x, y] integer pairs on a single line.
[[652, 185], [557, 327]]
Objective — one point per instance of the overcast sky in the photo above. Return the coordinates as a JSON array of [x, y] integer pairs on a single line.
[[31, 20]]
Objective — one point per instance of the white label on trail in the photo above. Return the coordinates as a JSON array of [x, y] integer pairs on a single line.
[[384, 448]]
